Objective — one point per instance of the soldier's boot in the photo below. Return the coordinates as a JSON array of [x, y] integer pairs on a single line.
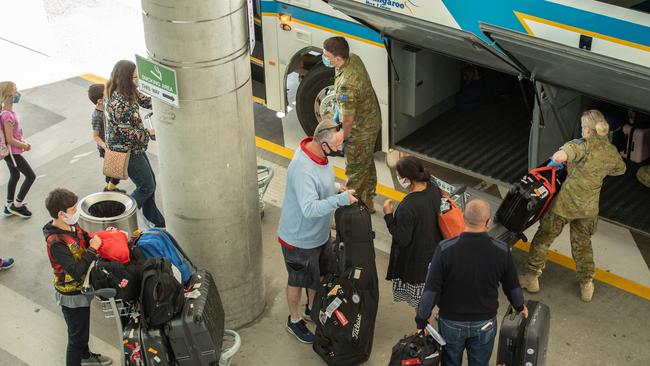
[[530, 282], [371, 205], [587, 291]]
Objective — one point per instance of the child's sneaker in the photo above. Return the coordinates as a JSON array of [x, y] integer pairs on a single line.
[[6, 211], [21, 211], [6, 263], [300, 330]]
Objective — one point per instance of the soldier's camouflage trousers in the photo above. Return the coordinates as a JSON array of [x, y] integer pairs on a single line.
[[360, 167], [643, 175], [581, 231]]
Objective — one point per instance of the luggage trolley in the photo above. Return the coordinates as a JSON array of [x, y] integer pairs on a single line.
[[118, 309], [264, 176]]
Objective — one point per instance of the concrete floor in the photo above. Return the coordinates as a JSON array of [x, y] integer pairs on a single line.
[[612, 330]]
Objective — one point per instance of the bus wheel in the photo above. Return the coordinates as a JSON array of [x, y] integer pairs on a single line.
[[315, 98]]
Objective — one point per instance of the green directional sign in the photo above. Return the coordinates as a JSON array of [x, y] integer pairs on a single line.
[[157, 80]]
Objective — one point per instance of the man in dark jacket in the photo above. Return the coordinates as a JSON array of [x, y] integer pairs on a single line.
[[71, 251], [463, 280]]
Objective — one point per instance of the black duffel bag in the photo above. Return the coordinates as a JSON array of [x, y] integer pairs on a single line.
[[124, 278], [416, 349], [161, 296]]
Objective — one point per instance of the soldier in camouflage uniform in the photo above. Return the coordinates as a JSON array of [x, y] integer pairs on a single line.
[[589, 160], [358, 110]]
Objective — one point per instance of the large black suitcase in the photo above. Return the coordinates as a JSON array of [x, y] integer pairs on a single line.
[[524, 341], [345, 307], [144, 346], [529, 197], [196, 333]]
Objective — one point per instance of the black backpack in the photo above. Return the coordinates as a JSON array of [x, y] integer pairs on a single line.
[[161, 296], [416, 349], [124, 278]]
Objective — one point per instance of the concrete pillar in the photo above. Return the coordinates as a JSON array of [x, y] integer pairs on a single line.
[[206, 147]]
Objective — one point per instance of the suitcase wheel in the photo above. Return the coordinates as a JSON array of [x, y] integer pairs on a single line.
[[530, 206]]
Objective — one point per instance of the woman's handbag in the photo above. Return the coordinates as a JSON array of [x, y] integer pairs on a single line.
[[116, 164], [452, 221]]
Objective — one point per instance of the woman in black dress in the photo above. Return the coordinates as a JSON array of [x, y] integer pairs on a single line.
[[414, 228]]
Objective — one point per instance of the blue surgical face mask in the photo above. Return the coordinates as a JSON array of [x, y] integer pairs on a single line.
[[327, 62], [16, 98]]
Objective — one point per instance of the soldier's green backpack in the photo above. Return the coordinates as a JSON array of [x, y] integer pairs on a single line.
[[643, 175]]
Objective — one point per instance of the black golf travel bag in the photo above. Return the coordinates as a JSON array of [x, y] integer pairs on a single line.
[[345, 306], [528, 198], [196, 333], [524, 341]]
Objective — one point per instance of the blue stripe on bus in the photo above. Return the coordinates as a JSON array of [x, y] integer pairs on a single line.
[[322, 20]]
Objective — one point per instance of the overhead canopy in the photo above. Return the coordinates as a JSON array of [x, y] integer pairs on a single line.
[[449, 41], [600, 76]]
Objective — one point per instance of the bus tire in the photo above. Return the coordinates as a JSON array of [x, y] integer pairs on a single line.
[[317, 79]]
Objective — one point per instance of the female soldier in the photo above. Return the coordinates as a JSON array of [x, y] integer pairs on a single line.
[[589, 160]]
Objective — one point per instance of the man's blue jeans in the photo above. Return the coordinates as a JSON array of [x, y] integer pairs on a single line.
[[142, 175], [477, 337]]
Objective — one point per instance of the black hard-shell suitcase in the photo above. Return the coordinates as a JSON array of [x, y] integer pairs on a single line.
[[196, 334], [345, 307], [144, 346], [529, 197], [524, 341]]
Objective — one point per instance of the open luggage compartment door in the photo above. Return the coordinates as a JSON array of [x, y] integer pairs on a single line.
[[448, 41], [617, 81]]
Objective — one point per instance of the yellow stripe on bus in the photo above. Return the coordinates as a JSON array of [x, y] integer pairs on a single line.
[[523, 17]]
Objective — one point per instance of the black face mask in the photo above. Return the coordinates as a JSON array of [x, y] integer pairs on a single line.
[[331, 151]]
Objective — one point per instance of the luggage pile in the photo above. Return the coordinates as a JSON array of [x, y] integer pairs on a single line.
[[345, 306], [176, 316]]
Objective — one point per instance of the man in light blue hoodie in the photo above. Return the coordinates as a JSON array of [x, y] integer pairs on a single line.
[[310, 199]]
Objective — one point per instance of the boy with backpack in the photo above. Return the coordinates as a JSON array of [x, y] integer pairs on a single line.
[[71, 251], [96, 96]]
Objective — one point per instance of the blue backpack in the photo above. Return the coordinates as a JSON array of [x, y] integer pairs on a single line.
[[158, 243]]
